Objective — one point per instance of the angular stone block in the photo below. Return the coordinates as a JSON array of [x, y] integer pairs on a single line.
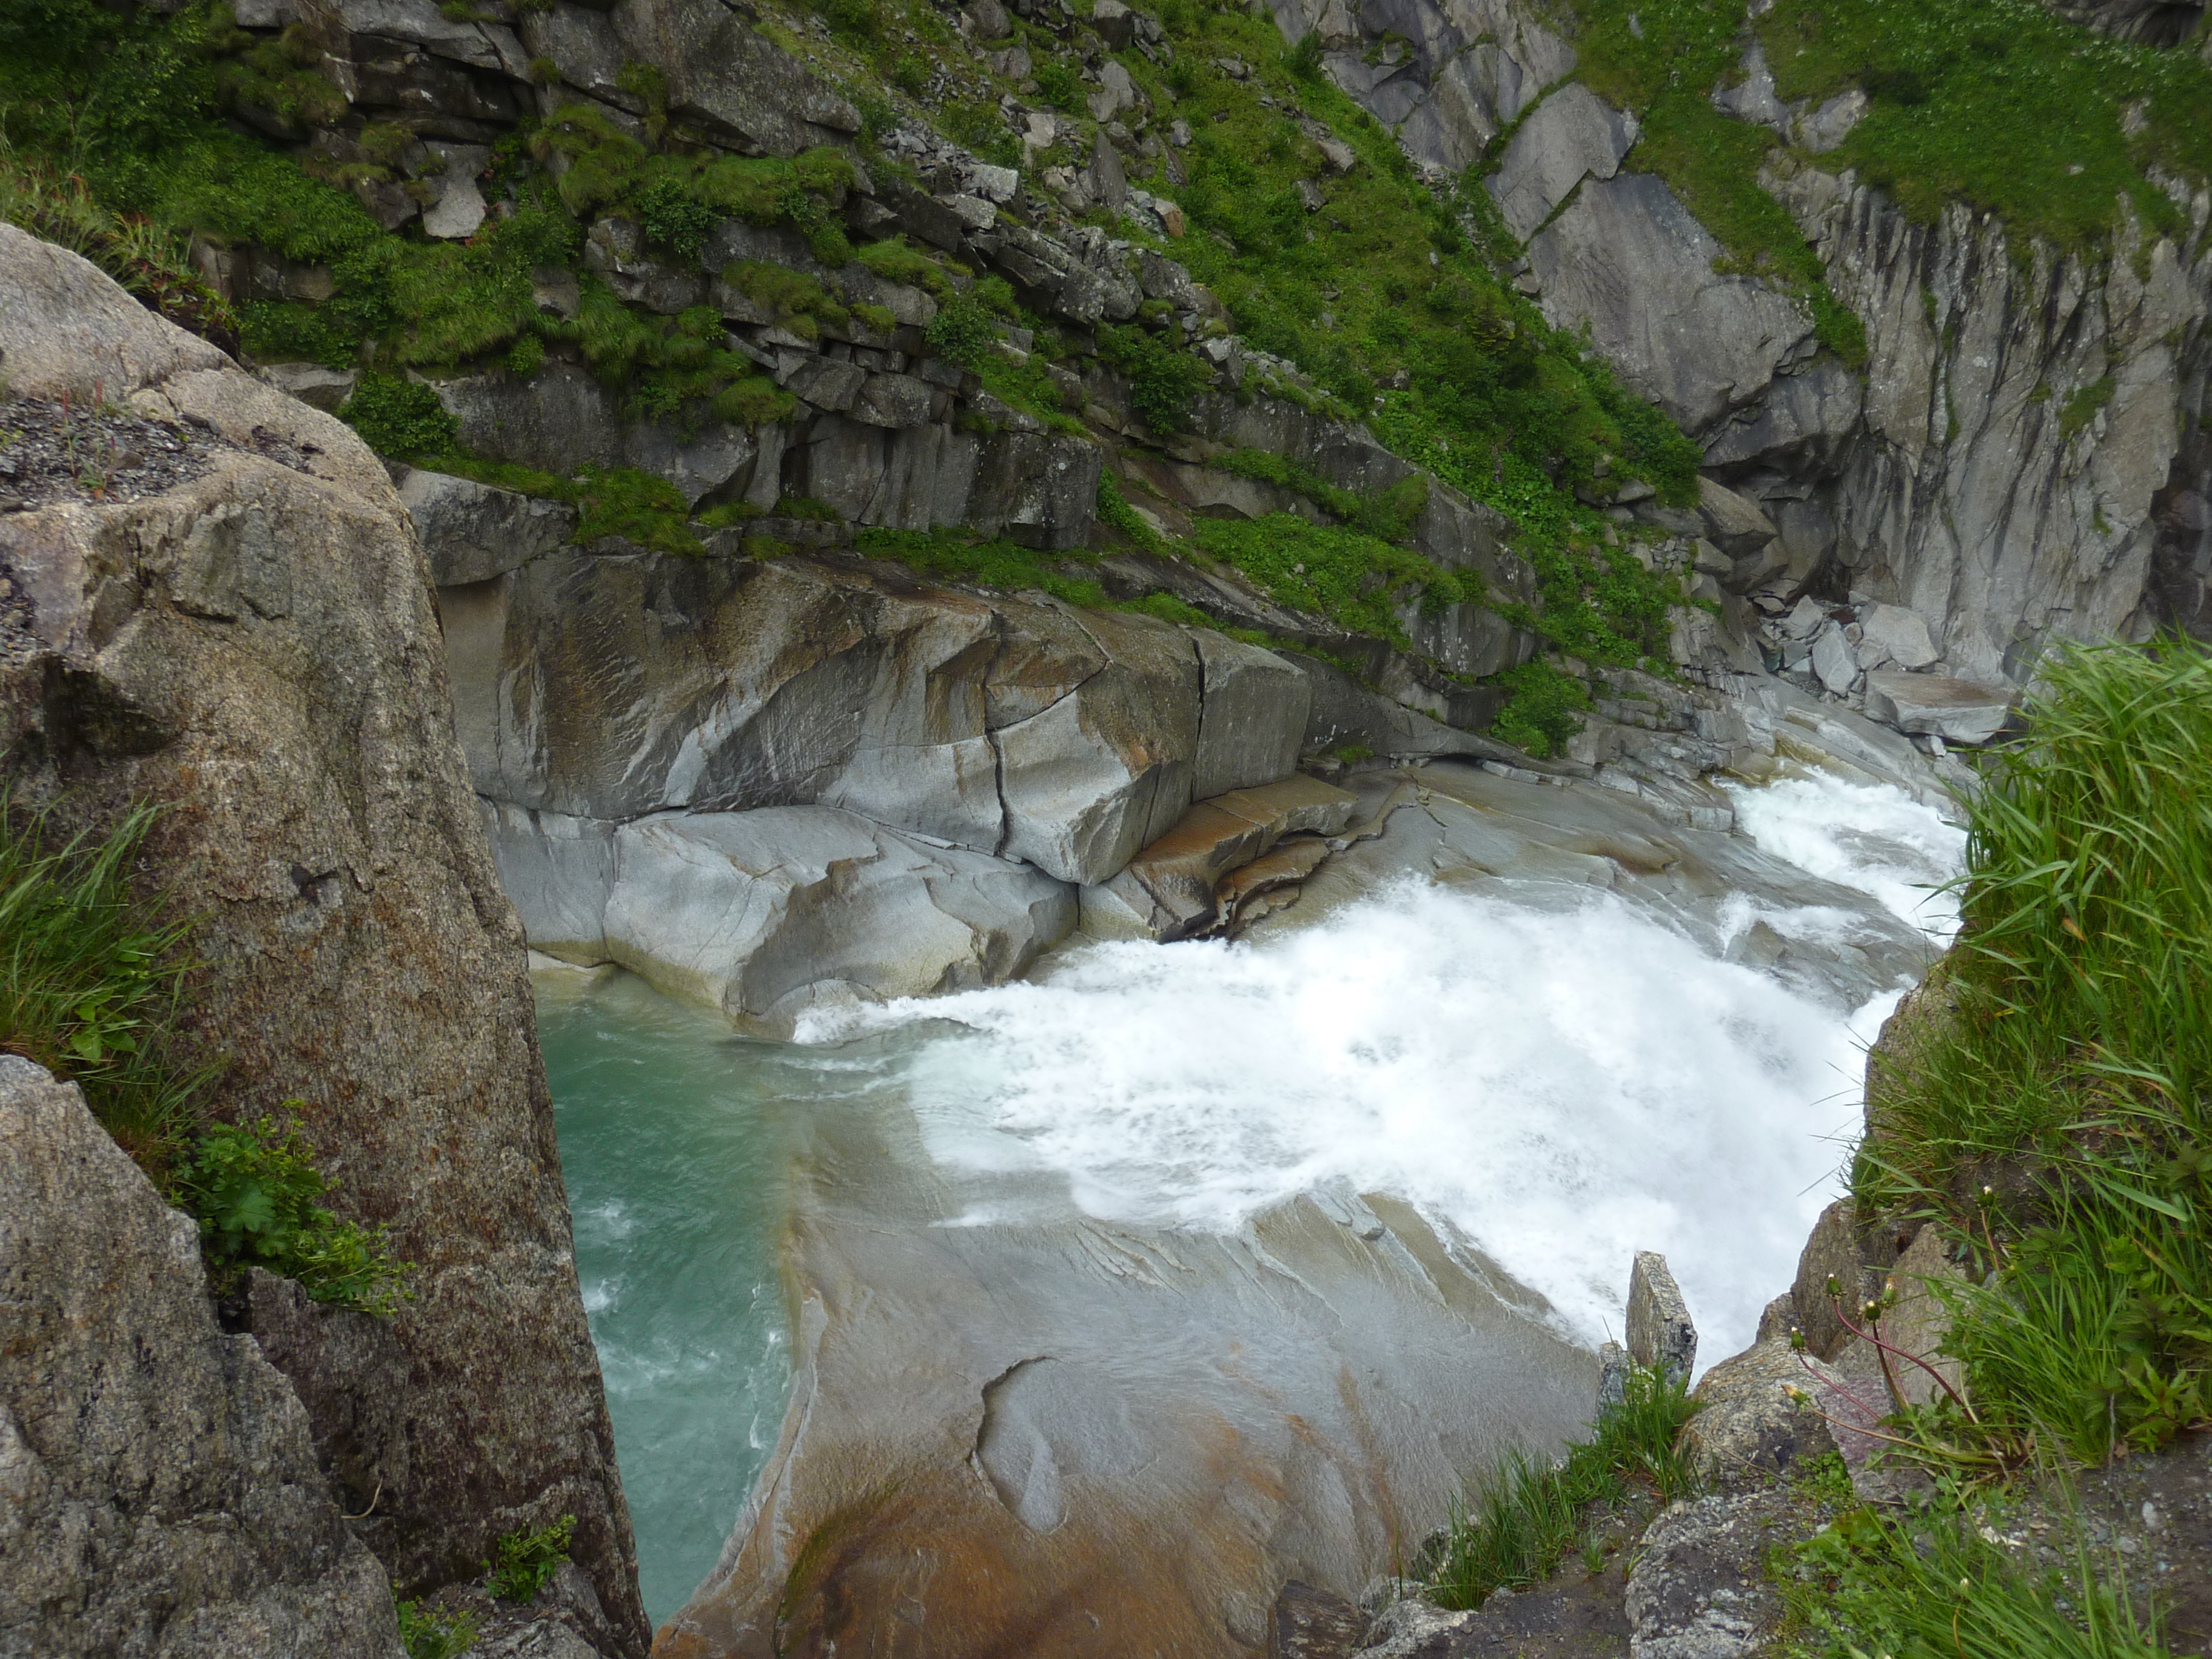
[[1958, 711], [1661, 1336], [1254, 717], [473, 531]]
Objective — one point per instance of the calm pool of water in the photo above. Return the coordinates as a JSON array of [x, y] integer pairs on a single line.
[[673, 1139]]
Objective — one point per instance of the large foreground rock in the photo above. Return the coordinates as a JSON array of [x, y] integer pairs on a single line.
[[250, 644], [158, 1487]]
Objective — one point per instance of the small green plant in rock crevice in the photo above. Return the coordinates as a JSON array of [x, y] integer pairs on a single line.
[[253, 1187], [428, 1632], [1935, 1583], [91, 977], [524, 1562], [1524, 1520]]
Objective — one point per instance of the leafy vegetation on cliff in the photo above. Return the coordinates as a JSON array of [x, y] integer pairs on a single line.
[[1377, 293], [253, 1187], [2003, 105], [1998, 104], [91, 981], [2054, 1108]]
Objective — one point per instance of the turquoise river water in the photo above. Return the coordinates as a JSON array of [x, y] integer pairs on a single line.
[[1564, 1082], [673, 1138]]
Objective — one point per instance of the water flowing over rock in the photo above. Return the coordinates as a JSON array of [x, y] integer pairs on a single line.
[[254, 647], [159, 1492], [1108, 1438]]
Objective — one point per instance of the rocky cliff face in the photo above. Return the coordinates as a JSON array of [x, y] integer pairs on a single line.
[[224, 611], [2019, 461], [160, 1484]]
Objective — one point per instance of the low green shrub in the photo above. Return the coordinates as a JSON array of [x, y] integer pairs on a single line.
[[674, 218], [1115, 513], [1058, 85], [640, 506], [403, 419], [964, 331], [954, 555], [1522, 1521], [1388, 514], [1164, 378], [1543, 708], [1356, 580], [431, 1633], [253, 1187], [524, 1562]]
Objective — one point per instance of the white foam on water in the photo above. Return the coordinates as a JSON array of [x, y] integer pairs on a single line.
[[1869, 836], [1567, 1086]]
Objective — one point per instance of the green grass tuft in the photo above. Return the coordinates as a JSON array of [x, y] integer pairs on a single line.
[[2057, 1121], [91, 977], [1524, 1520], [1932, 1585]]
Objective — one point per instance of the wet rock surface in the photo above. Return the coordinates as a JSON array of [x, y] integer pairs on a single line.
[[1110, 1437]]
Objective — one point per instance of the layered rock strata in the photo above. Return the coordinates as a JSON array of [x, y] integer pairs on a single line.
[[248, 642]]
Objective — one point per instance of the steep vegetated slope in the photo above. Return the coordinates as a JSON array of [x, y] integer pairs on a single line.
[[1927, 281]]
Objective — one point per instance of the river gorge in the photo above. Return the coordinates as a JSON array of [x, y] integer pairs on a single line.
[[1550, 1078], [1042, 830]]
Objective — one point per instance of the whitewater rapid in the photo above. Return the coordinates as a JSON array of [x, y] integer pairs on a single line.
[[1566, 1079]]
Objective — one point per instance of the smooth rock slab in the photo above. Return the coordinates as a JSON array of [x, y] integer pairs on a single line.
[[1958, 711], [766, 914], [1018, 1429], [1573, 135], [1629, 259]]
